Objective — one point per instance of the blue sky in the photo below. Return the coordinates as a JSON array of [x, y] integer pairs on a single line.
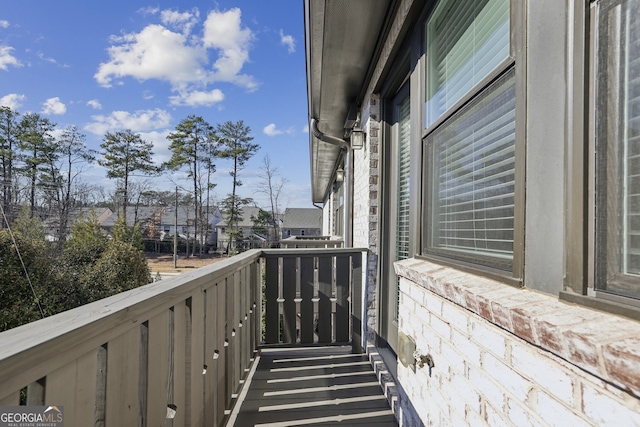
[[144, 66]]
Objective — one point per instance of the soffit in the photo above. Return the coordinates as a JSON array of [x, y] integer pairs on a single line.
[[341, 38]]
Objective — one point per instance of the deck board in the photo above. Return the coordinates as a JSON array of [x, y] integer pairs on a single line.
[[313, 386]]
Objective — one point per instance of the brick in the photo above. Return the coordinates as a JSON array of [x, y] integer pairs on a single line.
[[441, 327], [469, 348], [543, 371], [474, 420], [622, 363], [521, 416], [606, 411], [434, 304], [555, 414], [487, 388], [464, 390], [489, 337], [522, 317], [450, 357], [458, 318], [485, 302], [514, 383], [583, 340], [494, 417], [502, 307], [549, 327]]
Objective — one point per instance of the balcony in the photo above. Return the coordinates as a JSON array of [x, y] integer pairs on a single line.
[[179, 352]]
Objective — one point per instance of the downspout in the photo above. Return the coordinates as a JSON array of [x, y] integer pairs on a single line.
[[327, 138], [348, 208]]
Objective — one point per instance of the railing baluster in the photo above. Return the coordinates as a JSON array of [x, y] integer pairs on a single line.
[[101, 387], [343, 284], [272, 317], [325, 293], [289, 275], [307, 267], [158, 368], [223, 363], [357, 302], [182, 352], [199, 358]]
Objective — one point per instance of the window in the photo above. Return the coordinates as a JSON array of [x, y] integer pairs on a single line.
[[470, 148], [471, 180], [618, 149], [466, 41]]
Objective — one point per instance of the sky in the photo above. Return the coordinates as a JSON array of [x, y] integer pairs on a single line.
[[145, 66]]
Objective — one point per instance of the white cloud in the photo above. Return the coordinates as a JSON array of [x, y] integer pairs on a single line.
[[4, 23], [270, 130], [95, 104], [6, 58], [13, 101], [183, 21], [288, 41], [54, 106], [154, 53], [149, 10], [187, 62], [46, 58], [139, 121], [197, 98], [223, 31]]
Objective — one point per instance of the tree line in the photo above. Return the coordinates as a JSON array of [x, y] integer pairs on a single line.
[[41, 168]]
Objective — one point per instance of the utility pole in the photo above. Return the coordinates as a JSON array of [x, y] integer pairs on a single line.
[[175, 234]]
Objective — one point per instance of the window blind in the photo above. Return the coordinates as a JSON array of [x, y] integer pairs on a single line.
[[466, 40], [404, 160], [472, 162], [631, 138], [618, 149]]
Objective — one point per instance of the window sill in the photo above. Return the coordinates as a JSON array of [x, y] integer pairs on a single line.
[[602, 304], [602, 344]]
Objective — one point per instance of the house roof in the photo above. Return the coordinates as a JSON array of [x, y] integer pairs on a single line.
[[186, 213], [341, 38], [101, 215], [245, 220], [145, 214], [302, 218]]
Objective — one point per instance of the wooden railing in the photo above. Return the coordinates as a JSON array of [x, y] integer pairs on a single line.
[[311, 242], [175, 352], [313, 296]]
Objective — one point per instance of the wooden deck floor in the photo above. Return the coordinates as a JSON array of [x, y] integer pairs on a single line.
[[312, 387]]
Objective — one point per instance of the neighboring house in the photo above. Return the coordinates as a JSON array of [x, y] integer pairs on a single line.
[[147, 216], [301, 222], [52, 225], [185, 222], [486, 154], [246, 227]]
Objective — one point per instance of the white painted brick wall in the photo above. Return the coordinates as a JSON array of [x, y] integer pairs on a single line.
[[487, 375]]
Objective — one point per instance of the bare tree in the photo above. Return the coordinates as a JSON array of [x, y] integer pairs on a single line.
[[271, 185]]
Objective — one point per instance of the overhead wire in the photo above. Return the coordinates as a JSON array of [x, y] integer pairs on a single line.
[[24, 267]]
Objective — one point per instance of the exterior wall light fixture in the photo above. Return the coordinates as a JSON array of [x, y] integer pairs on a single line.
[[340, 174], [357, 138]]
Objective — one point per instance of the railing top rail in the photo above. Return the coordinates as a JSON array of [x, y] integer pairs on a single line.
[[270, 253]]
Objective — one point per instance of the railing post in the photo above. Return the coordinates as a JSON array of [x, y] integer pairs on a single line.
[[357, 308]]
